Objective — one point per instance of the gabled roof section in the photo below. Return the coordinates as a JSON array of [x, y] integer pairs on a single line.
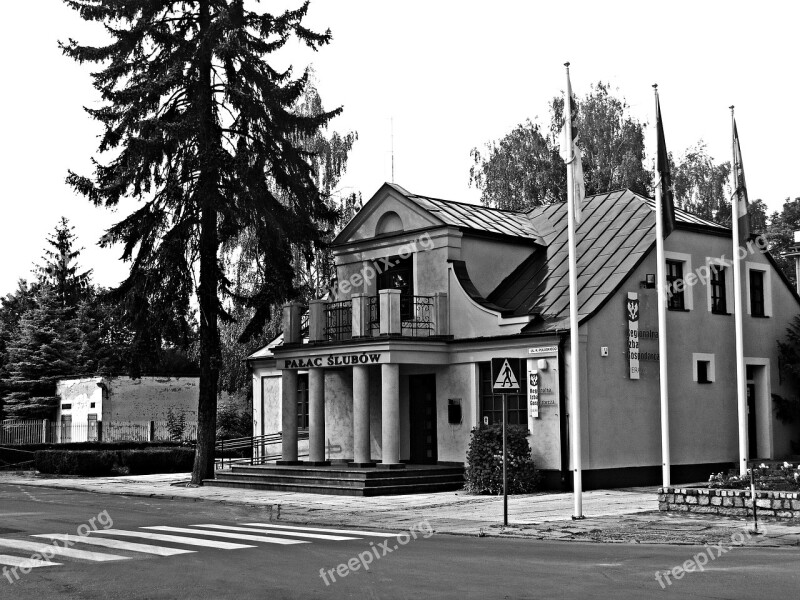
[[437, 212], [476, 217], [616, 232]]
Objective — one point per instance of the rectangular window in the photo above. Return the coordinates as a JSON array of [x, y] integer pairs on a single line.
[[702, 371], [718, 302], [397, 273], [757, 293], [675, 299], [302, 401], [491, 404]]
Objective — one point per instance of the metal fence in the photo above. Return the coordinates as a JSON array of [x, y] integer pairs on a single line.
[[50, 432]]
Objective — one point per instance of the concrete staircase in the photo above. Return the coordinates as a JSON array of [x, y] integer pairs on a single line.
[[341, 480]]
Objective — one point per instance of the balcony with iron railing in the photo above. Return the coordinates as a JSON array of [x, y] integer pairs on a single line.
[[390, 313]]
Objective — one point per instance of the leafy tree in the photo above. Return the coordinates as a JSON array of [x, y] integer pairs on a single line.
[[60, 269], [701, 185], [524, 168], [520, 171], [611, 141], [202, 131], [787, 410], [780, 235]]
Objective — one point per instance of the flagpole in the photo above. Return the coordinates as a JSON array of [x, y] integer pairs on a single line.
[[662, 320], [574, 341], [741, 396]]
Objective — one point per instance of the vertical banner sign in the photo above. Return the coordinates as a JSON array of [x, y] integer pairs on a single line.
[[632, 314], [533, 394]]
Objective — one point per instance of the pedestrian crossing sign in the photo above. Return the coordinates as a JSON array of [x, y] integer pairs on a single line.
[[506, 374]]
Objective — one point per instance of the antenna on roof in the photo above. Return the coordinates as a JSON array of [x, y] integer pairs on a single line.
[[391, 128]]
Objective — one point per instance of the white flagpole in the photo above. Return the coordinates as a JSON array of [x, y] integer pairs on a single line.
[[574, 342], [741, 385], [662, 320]]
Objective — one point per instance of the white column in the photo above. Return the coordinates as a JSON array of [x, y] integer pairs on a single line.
[[390, 414], [361, 451], [289, 417], [316, 415]]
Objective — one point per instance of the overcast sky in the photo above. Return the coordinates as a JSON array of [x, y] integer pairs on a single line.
[[450, 75]]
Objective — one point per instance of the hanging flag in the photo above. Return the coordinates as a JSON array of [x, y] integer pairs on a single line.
[[740, 190], [571, 151], [663, 177]]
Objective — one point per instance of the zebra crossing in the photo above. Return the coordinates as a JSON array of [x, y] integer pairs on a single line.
[[113, 545]]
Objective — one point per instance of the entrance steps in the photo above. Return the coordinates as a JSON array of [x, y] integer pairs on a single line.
[[341, 480]]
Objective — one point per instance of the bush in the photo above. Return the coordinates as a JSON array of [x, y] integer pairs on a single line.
[[158, 460], [484, 473], [231, 423], [91, 463], [94, 463]]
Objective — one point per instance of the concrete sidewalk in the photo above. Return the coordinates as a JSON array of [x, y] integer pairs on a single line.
[[624, 515]]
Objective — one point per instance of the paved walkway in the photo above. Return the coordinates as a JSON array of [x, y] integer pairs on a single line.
[[624, 515]]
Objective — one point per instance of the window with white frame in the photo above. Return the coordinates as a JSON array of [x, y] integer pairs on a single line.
[[680, 280], [720, 286], [758, 286], [703, 368]]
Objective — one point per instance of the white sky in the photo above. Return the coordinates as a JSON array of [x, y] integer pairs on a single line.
[[451, 74]]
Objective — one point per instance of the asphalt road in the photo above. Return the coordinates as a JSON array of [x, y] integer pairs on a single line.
[[425, 565]]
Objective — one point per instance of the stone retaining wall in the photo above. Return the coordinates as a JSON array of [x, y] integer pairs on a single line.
[[778, 505]]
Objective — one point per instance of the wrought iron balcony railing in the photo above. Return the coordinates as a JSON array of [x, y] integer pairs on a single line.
[[338, 320], [416, 316]]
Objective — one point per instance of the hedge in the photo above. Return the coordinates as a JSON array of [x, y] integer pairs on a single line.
[[93, 463], [484, 472]]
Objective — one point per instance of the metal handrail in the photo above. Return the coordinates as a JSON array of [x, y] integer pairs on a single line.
[[251, 442]]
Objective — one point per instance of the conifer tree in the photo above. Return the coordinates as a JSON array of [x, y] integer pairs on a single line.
[[60, 269], [45, 348], [201, 130]]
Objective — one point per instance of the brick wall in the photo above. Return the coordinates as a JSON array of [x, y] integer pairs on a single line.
[[778, 505]]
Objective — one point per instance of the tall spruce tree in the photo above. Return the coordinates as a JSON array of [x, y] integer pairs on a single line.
[[202, 131], [45, 348], [60, 267]]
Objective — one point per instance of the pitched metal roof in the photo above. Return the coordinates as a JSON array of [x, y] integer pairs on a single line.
[[617, 230], [476, 217]]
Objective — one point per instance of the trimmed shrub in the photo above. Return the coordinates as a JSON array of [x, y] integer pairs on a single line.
[[157, 460], [484, 472], [91, 463], [95, 463]]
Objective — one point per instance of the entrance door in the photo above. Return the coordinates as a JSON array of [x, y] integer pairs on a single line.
[[752, 441], [91, 432], [422, 408]]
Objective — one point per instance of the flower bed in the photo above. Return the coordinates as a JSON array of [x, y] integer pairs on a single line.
[[767, 477]]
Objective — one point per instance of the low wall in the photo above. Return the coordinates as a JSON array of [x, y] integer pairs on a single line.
[[779, 505]]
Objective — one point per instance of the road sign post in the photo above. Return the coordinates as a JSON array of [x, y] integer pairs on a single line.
[[505, 460], [506, 375]]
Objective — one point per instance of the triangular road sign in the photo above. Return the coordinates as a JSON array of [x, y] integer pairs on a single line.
[[506, 379]]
